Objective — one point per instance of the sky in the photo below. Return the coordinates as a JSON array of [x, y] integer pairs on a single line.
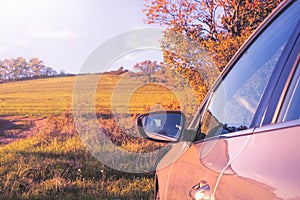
[[63, 33]]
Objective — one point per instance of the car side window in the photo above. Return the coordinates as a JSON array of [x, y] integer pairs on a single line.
[[291, 106], [234, 102]]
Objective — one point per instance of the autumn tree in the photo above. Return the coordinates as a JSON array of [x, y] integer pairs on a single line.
[[197, 28], [192, 61], [148, 68]]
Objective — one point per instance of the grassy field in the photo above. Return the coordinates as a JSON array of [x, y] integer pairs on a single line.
[[46, 97], [42, 155], [54, 164], [42, 97]]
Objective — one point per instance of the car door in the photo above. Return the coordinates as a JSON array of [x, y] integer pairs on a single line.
[[268, 167], [236, 102]]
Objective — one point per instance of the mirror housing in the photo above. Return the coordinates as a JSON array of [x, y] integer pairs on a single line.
[[162, 126]]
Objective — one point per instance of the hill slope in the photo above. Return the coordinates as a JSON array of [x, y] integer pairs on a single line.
[[45, 97]]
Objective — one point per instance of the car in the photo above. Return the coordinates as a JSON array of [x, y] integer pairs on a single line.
[[244, 140]]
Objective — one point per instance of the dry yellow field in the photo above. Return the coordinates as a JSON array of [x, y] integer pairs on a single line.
[[45, 97]]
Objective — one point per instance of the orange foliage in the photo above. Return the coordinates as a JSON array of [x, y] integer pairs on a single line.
[[221, 26], [218, 26]]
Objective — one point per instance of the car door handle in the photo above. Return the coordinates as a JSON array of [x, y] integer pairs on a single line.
[[200, 191]]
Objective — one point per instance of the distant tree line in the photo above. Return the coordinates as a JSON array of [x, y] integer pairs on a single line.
[[19, 69]]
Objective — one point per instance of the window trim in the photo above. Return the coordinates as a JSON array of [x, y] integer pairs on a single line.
[[275, 127], [284, 81], [283, 97], [294, 88]]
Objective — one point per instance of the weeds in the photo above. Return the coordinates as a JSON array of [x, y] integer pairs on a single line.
[[54, 164]]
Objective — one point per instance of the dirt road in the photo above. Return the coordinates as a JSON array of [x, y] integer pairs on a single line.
[[13, 128]]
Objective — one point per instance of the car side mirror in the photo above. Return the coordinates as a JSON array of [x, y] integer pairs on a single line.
[[163, 126]]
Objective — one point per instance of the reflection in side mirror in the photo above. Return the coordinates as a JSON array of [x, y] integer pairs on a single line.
[[165, 126]]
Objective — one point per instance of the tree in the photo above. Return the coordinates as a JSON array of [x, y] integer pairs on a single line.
[[201, 36], [18, 67], [220, 26], [184, 55], [148, 68], [6, 69], [36, 66]]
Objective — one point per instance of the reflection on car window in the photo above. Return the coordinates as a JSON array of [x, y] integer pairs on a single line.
[[291, 107], [234, 102]]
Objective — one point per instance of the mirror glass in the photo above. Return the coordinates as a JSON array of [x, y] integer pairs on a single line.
[[165, 126]]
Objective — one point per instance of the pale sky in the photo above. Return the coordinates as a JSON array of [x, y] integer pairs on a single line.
[[63, 33]]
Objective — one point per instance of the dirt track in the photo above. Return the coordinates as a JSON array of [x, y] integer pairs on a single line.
[[13, 128]]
